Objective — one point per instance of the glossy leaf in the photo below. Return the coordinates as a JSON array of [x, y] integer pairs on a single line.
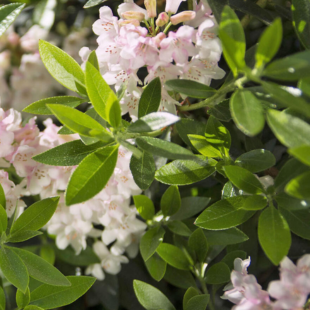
[[199, 244], [150, 241], [247, 112], [204, 147], [198, 302], [93, 59], [184, 172], [191, 88], [171, 201], [22, 299], [23, 235], [290, 203], [225, 237], [179, 228], [299, 187], [35, 216], [91, 176], [217, 274], [221, 111], [156, 266], [8, 14], [274, 234], [255, 203], [50, 297], [302, 153], [39, 107], [145, 206], [62, 67], [150, 297]]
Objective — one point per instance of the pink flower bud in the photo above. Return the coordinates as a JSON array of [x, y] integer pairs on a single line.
[[162, 19], [150, 6], [133, 15], [172, 5], [182, 17], [159, 38], [134, 22]]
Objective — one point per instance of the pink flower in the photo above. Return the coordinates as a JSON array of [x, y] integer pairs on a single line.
[[106, 26], [203, 11], [129, 5], [172, 6]]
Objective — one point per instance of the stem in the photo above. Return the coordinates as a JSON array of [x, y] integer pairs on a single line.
[[190, 5], [167, 28], [247, 18], [152, 25]]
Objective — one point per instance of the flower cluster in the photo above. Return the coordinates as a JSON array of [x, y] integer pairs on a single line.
[[289, 293], [124, 47], [110, 209]]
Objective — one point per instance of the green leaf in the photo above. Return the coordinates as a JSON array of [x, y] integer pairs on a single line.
[[255, 203], [143, 170], [2, 299], [217, 8], [301, 19], [153, 121], [150, 297], [247, 112], [184, 172], [189, 126], [44, 14], [36, 216], [91, 3], [221, 111], [62, 67], [274, 234], [13, 268], [190, 206], [189, 294], [3, 220], [22, 299], [298, 221], [163, 148], [145, 206], [205, 148], [233, 40], [290, 130], [92, 175], [269, 43], [171, 201], [80, 122], [93, 59], [33, 308], [225, 237], [230, 258], [102, 97], [47, 253], [179, 278], [50, 297], [302, 153], [299, 187], [286, 99], [2, 197], [224, 214], [256, 160], [67, 154], [41, 270], [173, 256], [150, 241], [150, 98], [199, 244], [8, 14], [39, 107], [290, 203], [156, 267], [244, 179], [217, 274], [179, 228], [199, 302], [24, 235], [191, 88]]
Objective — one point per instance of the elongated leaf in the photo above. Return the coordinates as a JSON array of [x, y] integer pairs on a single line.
[[218, 274], [221, 111], [91, 3], [22, 299], [67, 154], [24, 235], [302, 153], [189, 294], [199, 244], [80, 122], [150, 99], [144, 206], [290, 130], [274, 234], [62, 67], [301, 20], [269, 43], [191, 88], [50, 297], [247, 112], [39, 107], [150, 241], [224, 214], [153, 121], [13, 268], [171, 201], [244, 179], [173, 256], [36, 216], [199, 302], [2, 299], [91, 175], [233, 40], [179, 228], [3, 220], [41, 270], [2, 197], [8, 14], [299, 187], [163, 148], [290, 203], [256, 160], [204, 147], [225, 237], [179, 278], [255, 202], [156, 266], [183, 172], [150, 297], [102, 97], [93, 59], [33, 308]]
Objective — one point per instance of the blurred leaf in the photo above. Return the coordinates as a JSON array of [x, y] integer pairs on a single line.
[[290, 203], [2, 197], [22, 299], [145, 206], [44, 14], [299, 187], [2, 299], [301, 20], [47, 253], [221, 111], [8, 14], [91, 3], [302, 153], [3, 220], [23, 235]]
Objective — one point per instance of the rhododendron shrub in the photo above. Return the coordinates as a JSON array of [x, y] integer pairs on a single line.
[[168, 147]]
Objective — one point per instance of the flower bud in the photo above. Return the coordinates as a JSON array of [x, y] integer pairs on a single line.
[[134, 22], [172, 6], [133, 15], [162, 19], [158, 38], [182, 17], [150, 6]]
